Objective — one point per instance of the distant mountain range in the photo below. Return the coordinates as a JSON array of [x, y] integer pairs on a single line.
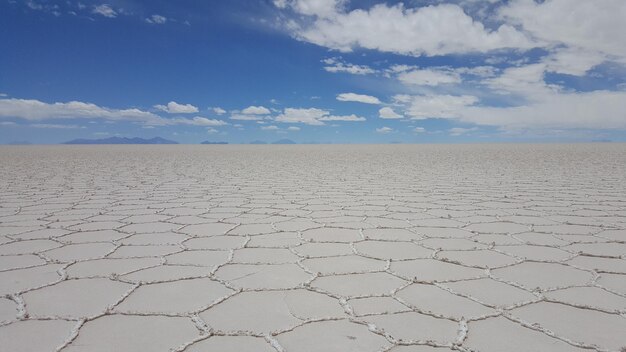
[[121, 140], [258, 142], [209, 142]]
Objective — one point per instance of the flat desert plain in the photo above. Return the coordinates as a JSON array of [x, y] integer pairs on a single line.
[[402, 248]]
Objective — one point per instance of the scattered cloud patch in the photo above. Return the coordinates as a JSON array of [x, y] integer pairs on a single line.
[[429, 77], [175, 108], [156, 19], [419, 130], [388, 113], [335, 65], [219, 111], [384, 130], [359, 98], [256, 110], [104, 10], [313, 116]]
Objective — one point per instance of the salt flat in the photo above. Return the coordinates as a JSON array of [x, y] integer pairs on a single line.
[[401, 248]]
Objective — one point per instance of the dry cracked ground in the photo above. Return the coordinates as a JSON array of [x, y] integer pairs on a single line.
[[313, 248]]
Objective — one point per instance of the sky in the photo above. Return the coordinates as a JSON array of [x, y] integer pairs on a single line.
[[313, 71]]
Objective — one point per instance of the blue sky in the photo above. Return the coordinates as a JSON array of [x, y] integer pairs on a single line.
[[327, 71]]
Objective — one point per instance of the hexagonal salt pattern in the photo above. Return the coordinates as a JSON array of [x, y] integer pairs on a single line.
[[313, 248]]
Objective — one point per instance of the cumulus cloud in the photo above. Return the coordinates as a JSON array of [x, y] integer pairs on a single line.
[[104, 10], [335, 65], [270, 128], [436, 106], [156, 19], [431, 30], [175, 108], [35, 110], [55, 126], [293, 128], [419, 130], [458, 131], [312, 116], [359, 98], [388, 113], [218, 110], [256, 110], [384, 130]]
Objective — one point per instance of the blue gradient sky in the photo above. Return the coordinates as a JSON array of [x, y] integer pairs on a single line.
[[326, 71]]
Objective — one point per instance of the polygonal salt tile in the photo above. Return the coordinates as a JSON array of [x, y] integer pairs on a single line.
[[353, 285], [215, 242], [144, 251], [332, 234], [388, 223], [500, 334], [296, 225], [9, 262], [580, 325], [540, 239], [322, 249], [81, 298], [178, 297], [232, 344], [498, 227], [539, 253], [343, 264], [431, 270], [166, 273], [443, 232], [270, 311], [496, 239], [392, 250], [202, 258], [93, 236], [533, 275], [97, 225], [109, 267], [589, 297], [138, 219], [376, 305], [491, 292], [434, 300], [28, 246], [339, 335], [391, 235], [42, 234], [483, 258], [82, 251], [528, 220], [8, 310], [275, 240], [613, 282], [154, 239], [598, 249], [149, 227], [263, 276], [206, 230], [565, 229], [411, 326], [607, 265], [451, 244], [35, 335], [252, 229], [132, 333], [616, 235], [437, 222], [420, 348], [264, 255], [18, 280]]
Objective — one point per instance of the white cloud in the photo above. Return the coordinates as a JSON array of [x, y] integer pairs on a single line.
[[293, 128], [458, 131], [199, 121], [384, 130], [35, 110], [335, 65], [437, 106], [7, 123], [244, 117], [429, 77], [218, 110], [359, 98], [104, 10], [176, 108], [156, 19], [596, 26], [270, 128], [313, 116], [573, 61], [211, 130], [432, 30], [2, 95], [388, 113], [419, 130], [256, 110]]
